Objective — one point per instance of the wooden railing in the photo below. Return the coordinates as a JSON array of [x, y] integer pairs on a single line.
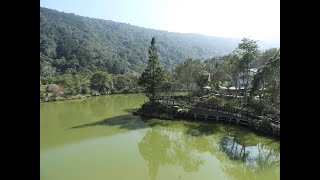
[[172, 100]]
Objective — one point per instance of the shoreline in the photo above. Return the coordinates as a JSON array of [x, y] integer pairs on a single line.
[[59, 98], [79, 96], [171, 113]]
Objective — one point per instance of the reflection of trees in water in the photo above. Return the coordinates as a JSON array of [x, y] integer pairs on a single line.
[[180, 146], [161, 147], [255, 157], [259, 154]]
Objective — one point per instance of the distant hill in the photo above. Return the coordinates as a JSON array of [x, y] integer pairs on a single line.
[[72, 43]]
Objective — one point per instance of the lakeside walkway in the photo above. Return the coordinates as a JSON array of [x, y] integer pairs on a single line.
[[231, 115]]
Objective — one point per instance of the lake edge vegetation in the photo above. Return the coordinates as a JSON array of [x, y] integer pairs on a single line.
[[74, 48], [234, 85]]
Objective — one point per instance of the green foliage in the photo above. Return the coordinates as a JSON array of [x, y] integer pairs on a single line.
[[46, 69], [120, 82], [86, 43], [247, 52], [265, 56], [151, 79], [213, 101], [266, 84], [219, 70], [232, 103], [84, 88], [187, 73], [158, 110], [166, 87], [79, 53], [265, 126], [202, 79], [101, 83]]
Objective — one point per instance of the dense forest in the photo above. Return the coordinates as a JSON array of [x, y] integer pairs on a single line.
[[71, 43], [81, 56], [246, 79]]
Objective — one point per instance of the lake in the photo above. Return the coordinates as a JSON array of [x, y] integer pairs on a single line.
[[98, 138]]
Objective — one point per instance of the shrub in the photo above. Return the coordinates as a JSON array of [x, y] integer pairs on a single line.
[[265, 126], [214, 101], [53, 88]]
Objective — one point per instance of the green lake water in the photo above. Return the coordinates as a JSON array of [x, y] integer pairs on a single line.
[[98, 139]]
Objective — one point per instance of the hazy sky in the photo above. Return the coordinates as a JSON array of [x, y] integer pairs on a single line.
[[258, 19]]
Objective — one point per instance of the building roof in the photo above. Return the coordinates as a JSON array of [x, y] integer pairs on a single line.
[[254, 70]]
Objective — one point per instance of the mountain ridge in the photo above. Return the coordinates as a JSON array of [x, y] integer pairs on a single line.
[[72, 43]]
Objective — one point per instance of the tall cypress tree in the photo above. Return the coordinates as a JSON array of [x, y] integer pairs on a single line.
[[152, 77]]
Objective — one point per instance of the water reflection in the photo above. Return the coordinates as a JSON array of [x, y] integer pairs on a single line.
[[255, 158], [56, 119], [185, 147], [161, 147], [102, 130], [259, 155]]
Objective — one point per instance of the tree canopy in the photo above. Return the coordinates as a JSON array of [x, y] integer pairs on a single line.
[[152, 77], [71, 43]]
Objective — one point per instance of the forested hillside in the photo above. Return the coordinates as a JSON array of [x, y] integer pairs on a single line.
[[78, 53], [71, 43]]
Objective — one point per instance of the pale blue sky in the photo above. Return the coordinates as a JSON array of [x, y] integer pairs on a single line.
[[258, 19]]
